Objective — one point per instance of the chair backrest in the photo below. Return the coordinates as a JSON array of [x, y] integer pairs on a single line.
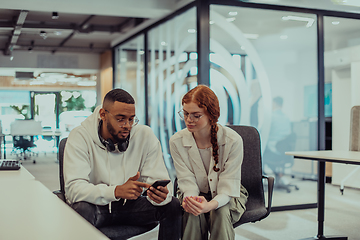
[[23, 142], [251, 175], [25, 127], [113, 232], [61, 164], [355, 129], [286, 145]]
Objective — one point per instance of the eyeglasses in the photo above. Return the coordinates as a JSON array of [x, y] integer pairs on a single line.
[[133, 121], [194, 117]]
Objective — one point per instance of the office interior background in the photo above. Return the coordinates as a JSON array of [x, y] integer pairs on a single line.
[[59, 59]]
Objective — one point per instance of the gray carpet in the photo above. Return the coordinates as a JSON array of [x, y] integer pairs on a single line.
[[342, 213]]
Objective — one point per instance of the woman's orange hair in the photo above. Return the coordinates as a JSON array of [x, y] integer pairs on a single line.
[[205, 98]]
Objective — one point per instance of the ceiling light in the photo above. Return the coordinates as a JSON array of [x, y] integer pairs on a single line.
[[141, 52], [251, 35], [43, 34], [335, 22], [310, 21], [86, 83], [283, 37], [233, 13], [354, 3], [51, 80], [191, 30], [37, 82], [55, 15], [163, 43], [85, 26], [57, 33], [230, 19], [211, 22]]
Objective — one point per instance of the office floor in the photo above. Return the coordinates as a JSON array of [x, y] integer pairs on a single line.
[[342, 213]]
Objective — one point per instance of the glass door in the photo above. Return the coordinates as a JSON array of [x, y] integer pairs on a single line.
[[45, 108]]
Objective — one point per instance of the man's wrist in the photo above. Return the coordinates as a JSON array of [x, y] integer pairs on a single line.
[[117, 193]]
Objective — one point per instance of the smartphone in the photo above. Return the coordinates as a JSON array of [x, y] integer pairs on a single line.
[[162, 183]]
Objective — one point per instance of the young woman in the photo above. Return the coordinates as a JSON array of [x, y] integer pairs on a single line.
[[207, 159]]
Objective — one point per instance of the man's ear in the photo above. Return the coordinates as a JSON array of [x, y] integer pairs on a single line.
[[102, 113]]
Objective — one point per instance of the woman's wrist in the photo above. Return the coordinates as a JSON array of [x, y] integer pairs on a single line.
[[213, 204]]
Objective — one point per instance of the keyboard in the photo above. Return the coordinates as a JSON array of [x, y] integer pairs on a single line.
[[9, 165]]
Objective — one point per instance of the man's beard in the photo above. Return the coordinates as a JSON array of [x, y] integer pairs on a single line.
[[113, 133]]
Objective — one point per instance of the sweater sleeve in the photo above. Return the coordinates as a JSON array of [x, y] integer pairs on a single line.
[[77, 169], [186, 178], [222, 199], [154, 167], [229, 182]]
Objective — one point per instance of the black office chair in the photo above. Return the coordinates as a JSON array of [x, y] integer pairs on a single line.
[[252, 177], [113, 232], [24, 144], [278, 162]]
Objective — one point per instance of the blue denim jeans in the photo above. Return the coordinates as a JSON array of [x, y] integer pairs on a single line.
[[135, 212]]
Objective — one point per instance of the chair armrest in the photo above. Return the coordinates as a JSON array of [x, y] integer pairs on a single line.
[[60, 195], [270, 193]]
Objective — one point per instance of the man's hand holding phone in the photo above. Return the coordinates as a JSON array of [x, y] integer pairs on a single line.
[[158, 191], [132, 189]]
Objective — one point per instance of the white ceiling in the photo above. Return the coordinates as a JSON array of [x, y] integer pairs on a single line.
[[331, 5], [120, 8], [335, 36], [81, 23], [106, 13]]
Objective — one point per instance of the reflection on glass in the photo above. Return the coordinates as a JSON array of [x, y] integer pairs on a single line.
[[261, 68], [13, 105], [130, 72], [172, 72]]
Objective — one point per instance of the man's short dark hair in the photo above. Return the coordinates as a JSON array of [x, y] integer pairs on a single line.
[[119, 95]]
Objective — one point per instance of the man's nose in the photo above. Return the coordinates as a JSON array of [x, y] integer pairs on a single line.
[[127, 124]]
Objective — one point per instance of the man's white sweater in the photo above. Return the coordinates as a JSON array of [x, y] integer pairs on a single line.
[[91, 172]]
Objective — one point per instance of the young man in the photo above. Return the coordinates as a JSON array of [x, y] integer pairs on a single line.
[[109, 160]]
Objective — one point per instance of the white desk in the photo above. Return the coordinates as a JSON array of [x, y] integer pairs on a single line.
[[345, 157], [337, 156], [16, 175], [29, 210], [55, 134]]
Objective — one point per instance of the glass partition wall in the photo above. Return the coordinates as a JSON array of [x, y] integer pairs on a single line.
[[171, 72], [342, 71], [170, 75], [129, 65], [266, 67]]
